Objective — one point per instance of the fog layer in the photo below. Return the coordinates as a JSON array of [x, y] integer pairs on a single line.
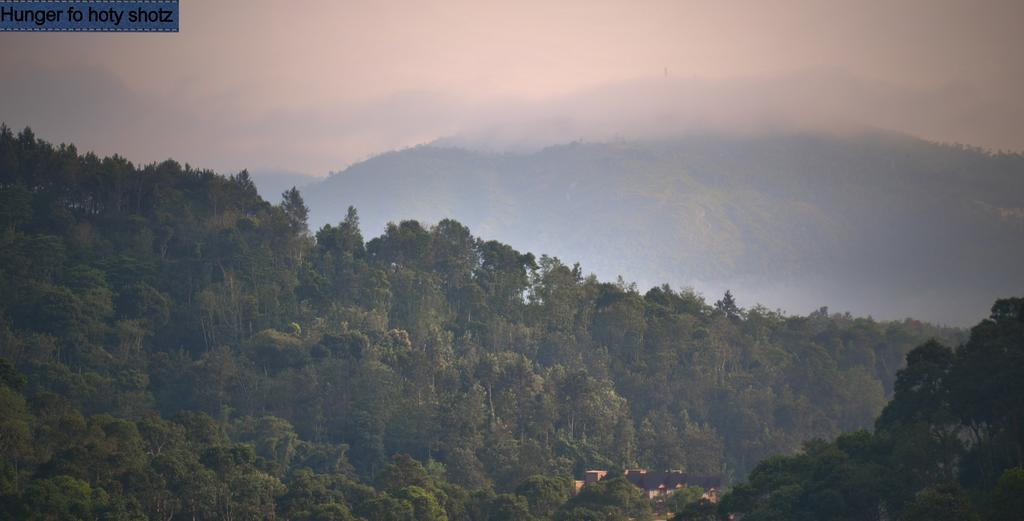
[[318, 85]]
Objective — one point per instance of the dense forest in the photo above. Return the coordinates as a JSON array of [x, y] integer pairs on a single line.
[[949, 446], [175, 347]]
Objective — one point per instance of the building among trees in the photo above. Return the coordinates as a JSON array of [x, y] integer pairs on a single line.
[[661, 484]]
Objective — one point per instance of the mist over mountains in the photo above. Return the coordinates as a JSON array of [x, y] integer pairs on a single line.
[[873, 223]]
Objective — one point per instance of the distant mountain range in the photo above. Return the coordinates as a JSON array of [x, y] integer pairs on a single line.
[[879, 223]]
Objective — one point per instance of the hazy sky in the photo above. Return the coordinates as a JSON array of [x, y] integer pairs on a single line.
[[311, 86]]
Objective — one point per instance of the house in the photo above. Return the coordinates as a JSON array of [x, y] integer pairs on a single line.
[[590, 476], [660, 484], [711, 483], [656, 484]]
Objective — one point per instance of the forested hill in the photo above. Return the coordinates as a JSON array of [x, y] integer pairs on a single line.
[[948, 447], [175, 347], [878, 224]]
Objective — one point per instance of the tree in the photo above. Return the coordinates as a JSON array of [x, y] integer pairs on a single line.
[[296, 210], [727, 306], [314, 497], [145, 303], [699, 510], [946, 503], [15, 431], [1008, 497], [15, 206], [274, 439], [402, 472], [508, 507], [424, 505], [681, 499], [614, 498], [387, 508], [62, 497], [544, 494], [988, 378]]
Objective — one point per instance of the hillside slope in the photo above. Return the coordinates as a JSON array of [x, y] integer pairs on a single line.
[[878, 223], [172, 346]]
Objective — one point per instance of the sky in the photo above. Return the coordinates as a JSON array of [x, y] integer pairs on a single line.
[[313, 86]]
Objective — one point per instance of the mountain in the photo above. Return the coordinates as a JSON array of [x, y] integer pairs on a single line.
[[173, 346], [873, 223]]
